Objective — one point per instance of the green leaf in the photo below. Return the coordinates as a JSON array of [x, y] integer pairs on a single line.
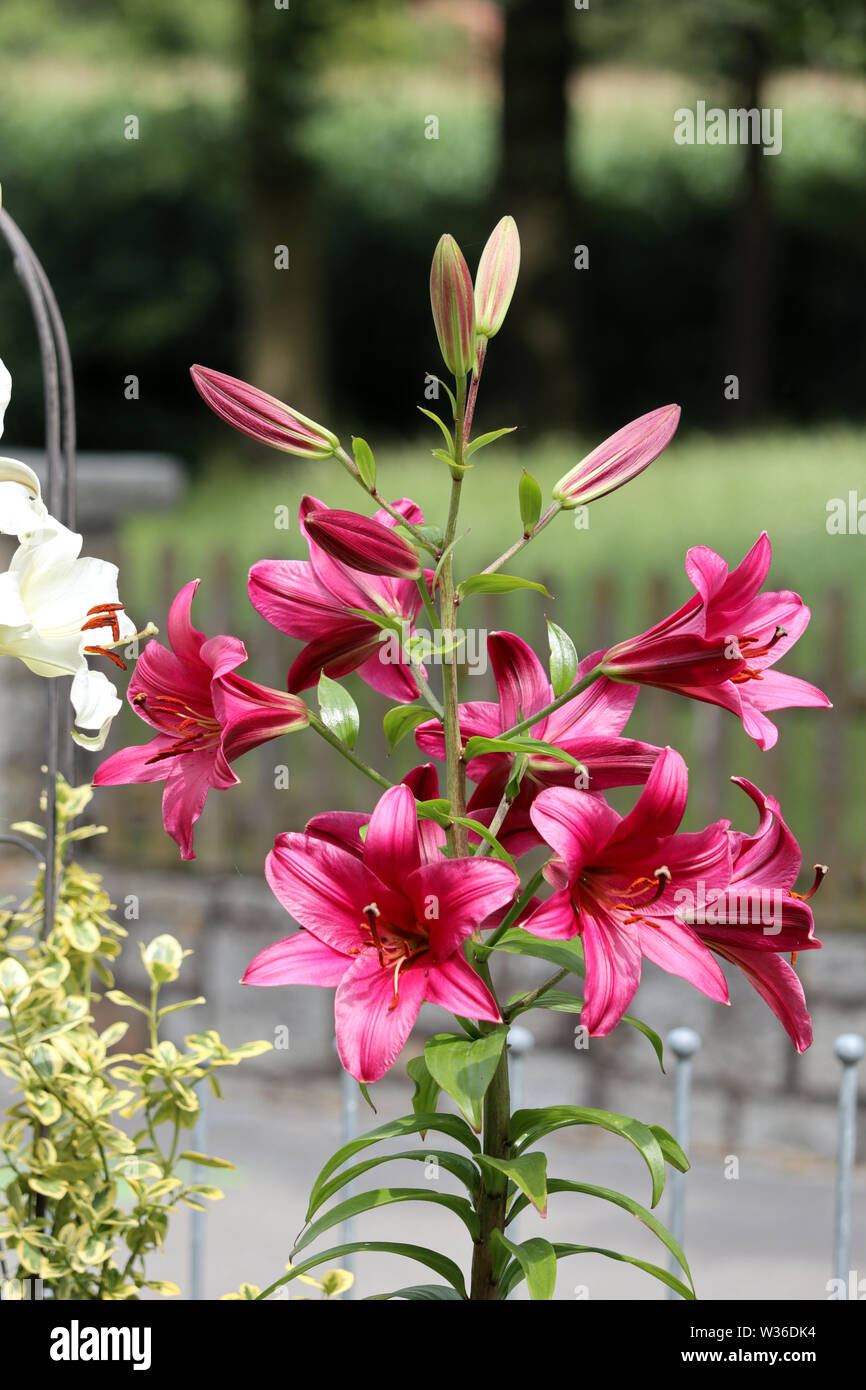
[[527, 1126], [385, 1197], [401, 720], [499, 851], [118, 997], [204, 1161], [560, 1001], [568, 955], [618, 1199], [657, 1273], [497, 584], [465, 1068], [484, 439], [365, 462], [417, 1293], [443, 427], [176, 1008], [339, 711], [82, 936], [519, 743], [461, 1167], [529, 1173], [563, 658], [431, 1258], [529, 497], [451, 1125], [536, 1262], [670, 1148], [426, 1089], [438, 810]]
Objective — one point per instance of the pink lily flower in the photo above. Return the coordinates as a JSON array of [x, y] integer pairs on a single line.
[[204, 714], [760, 916], [316, 600], [615, 885], [386, 926], [587, 727], [720, 646]]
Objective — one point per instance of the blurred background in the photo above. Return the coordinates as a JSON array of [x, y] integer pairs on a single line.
[[157, 156]]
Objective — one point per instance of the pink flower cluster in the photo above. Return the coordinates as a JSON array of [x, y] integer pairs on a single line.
[[384, 912]]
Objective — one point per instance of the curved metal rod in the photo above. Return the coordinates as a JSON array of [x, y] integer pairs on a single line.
[[58, 390], [21, 843]]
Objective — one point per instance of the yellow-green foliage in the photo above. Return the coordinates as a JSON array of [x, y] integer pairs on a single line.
[[84, 1201]]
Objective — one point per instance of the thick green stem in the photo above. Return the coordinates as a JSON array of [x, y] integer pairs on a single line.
[[492, 1200], [456, 768]]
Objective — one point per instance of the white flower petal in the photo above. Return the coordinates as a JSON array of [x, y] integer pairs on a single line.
[[5, 392], [96, 703]]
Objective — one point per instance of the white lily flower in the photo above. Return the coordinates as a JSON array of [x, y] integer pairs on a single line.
[[56, 609], [21, 507]]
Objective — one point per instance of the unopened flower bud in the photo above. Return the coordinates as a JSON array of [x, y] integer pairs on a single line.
[[619, 459], [261, 416], [362, 543], [453, 302], [497, 277]]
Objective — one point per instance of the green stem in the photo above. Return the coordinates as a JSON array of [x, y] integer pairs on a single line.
[[563, 699], [484, 1286], [417, 535], [482, 951], [324, 732], [456, 768], [525, 1001], [539, 526]]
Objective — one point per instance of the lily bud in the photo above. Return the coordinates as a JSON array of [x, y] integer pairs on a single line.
[[619, 459], [453, 302], [261, 416], [362, 543], [497, 277]]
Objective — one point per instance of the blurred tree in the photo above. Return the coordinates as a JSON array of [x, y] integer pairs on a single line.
[[534, 186], [283, 336]]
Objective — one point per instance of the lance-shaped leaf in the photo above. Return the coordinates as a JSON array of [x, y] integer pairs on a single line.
[[362, 543], [457, 1164], [618, 1199], [440, 1264], [418, 1293], [465, 1068], [400, 721], [561, 1002], [339, 711], [536, 1263], [451, 1125], [364, 461], [563, 659], [527, 1126], [529, 496], [528, 1172], [497, 584], [384, 1197], [426, 1096], [515, 1273], [567, 955]]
